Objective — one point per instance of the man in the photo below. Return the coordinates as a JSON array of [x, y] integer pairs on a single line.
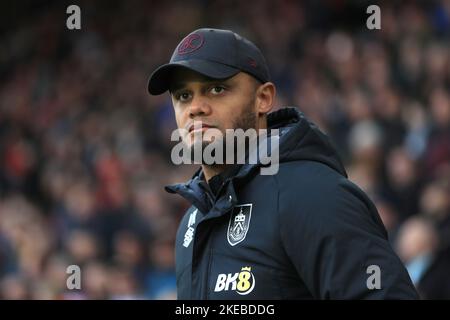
[[304, 232]]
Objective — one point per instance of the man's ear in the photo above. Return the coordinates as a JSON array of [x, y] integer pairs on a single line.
[[265, 97]]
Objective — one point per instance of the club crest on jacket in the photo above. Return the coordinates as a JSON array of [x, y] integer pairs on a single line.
[[239, 223]]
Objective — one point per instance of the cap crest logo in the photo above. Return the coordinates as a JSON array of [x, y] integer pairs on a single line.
[[191, 43], [252, 62]]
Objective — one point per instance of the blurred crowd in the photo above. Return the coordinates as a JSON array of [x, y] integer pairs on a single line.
[[85, 151]]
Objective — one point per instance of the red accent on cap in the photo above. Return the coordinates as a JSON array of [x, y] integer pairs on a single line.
[[191, 43]]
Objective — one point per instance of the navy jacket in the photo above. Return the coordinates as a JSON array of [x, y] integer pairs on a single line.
[[306, 232]]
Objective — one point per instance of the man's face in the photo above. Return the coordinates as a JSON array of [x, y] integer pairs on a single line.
[[220, 104]]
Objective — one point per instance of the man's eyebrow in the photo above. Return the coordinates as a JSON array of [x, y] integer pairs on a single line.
[[180, 85]]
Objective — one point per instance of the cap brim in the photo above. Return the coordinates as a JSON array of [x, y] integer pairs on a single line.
[[159, 81]]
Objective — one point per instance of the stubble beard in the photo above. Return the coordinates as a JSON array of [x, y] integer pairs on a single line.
[[246, 120]]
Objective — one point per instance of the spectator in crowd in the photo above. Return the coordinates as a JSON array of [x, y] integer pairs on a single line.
[[418, 246]]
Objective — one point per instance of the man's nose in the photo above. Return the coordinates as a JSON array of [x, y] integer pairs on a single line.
[[199, 107]]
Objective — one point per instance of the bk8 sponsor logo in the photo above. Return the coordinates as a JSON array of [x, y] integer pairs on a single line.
[[242, 282]]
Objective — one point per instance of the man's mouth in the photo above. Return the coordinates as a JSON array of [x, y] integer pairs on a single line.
[[197, 127]]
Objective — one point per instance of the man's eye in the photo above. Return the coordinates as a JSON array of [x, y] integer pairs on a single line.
[[217, 89], [183, 96]]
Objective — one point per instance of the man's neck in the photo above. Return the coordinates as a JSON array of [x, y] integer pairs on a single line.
[[211, 171]]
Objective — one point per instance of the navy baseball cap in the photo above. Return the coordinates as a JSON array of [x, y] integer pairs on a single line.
[[214, 53]]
